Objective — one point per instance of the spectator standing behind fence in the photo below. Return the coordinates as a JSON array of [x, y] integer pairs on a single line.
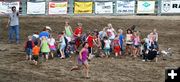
[[13, 24]]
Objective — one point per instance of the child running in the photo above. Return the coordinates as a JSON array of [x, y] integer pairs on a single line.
[[28, 47], [83, 60], [52, 42], [45, 47], [36, 51], [62, 45]]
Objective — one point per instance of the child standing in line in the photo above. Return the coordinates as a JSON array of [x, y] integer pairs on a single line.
[[28, 47], [121, 40], [129, 42], [116, 45], [45, 47], [136, 44], [107, 46], [52, 42], [83, 60], [36, 51]]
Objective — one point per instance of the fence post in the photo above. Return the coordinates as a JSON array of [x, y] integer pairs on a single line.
[[71, 7], [159, 7], [0, 28], [47, 7], [114, 7], [24, 7]]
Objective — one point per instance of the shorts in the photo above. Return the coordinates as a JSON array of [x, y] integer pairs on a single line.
[[117, 49], [29, 51], [136, 46], [45, 53], [35, 57], [106, 50], [129, 44], [52, 48], [90, 49], [62, 47], [80, 62]]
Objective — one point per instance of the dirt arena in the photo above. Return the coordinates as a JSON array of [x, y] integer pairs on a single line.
[[14, 67]]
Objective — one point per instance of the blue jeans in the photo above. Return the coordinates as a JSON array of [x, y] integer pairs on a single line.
[[12, 30]]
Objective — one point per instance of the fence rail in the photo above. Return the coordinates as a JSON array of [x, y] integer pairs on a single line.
[[94, 7]]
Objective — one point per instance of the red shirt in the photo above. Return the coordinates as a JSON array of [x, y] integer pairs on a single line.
[[90, 40], [78, 30]]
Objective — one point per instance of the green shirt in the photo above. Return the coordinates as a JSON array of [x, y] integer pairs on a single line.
[[68, 31], [45, 47]]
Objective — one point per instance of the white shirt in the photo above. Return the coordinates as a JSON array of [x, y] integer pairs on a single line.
[[107, 43], [112, 33], [51, 41], [14, 19]]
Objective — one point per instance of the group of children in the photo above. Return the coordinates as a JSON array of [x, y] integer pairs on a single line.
[[95, 43]]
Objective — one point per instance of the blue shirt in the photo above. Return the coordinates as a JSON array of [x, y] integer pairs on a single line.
[[44, 33], [121, 37]]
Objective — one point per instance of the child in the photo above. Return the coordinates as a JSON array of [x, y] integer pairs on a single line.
[[62, 45], [52, 42], [28, 47], [77, 35], [36, 51], [116, 45], [155, 35], [68, 30], [83, 60], [136, 44], [107, 46], [121, 40], [35, 37], [90, 40], [129, 42], [45, 47]]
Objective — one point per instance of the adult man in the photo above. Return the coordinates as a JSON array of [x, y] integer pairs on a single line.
[[13, 24]]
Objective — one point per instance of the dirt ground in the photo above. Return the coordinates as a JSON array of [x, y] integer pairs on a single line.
[[14, 67]]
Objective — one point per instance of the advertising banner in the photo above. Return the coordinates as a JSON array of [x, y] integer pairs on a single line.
[[170, 6], [125, 7], [36, 7], [103, 7], [146, 7], [6, 6], [83, 7], [58, 7]]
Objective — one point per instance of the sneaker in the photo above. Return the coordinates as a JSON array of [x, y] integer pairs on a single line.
[[143, 60]]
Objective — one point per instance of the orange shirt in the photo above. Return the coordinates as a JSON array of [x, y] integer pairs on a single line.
[[36, 50]]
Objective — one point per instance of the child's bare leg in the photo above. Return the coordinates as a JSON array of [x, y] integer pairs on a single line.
[[75, 68], [30, 57], [116, 54], [86, 70], [52, 54], [35, 62], [127, 50], [47, 57], [62, 53]]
